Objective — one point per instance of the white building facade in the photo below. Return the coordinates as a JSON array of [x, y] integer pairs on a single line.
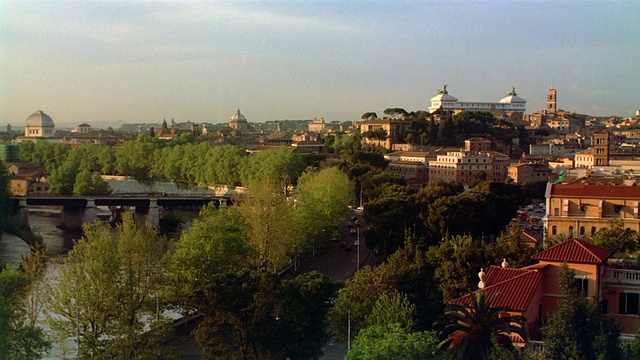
[[510, 103]]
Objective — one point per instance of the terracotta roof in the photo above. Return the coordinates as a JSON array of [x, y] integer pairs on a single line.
[[574, 251], [514, 291], [497, 274], [531, 237], [589, 151], [595, 191]]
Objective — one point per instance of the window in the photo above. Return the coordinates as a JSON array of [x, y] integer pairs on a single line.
[[629, 303], [593, 230], [570, 231], [581, 283], [581, 230], [554, 230]]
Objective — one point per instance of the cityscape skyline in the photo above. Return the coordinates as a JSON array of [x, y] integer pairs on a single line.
[[143, 62]]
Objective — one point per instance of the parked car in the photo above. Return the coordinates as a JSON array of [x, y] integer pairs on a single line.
[[352, 231]]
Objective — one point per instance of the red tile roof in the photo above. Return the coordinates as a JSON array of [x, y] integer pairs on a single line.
[[497, 274], [595, 191], [574, 251], [531, 237], [515, 287]]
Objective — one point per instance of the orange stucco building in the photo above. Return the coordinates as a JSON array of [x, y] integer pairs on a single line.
[[535, 293]]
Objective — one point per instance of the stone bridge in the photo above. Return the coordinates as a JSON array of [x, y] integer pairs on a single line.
[[77, 210]]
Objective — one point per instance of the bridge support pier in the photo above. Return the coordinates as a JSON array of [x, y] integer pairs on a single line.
[[222, 203], [153, 216], [71, 217], [90, 212], [148, 214], [23, 214]]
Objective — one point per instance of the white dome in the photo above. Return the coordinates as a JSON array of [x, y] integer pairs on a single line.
[[238, 117], [39, 118], [512, 97], [443, 95]]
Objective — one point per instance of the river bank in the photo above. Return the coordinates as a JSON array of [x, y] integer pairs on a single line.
[[12, 248]]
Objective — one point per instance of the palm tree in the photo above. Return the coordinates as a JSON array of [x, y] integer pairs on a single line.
[[470, 331]]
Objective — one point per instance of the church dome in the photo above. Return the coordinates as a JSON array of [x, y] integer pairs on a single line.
[[238, 117], [39, 118], [512, 97]]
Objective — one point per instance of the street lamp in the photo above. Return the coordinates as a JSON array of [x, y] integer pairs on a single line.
[[349, 330], [357, 222]]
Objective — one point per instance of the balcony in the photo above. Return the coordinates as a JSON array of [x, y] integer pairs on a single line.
[[621, 277]]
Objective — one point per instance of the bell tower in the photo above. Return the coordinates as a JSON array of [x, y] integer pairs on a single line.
[[552, 101]]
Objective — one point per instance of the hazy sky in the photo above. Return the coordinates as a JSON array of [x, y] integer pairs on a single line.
[[144, 61]]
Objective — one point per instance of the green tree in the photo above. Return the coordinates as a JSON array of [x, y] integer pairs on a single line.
[[396, 112], [511, 247], [282, 165], [63, 179], [393, 342], [110, 281], [18, 340], [578, 330], [90, 183], [457, 259], [369, 116], [390, 309], [389, 217], [321, 198], [408, 272], [483, 211], [616, 238], [468, 330], [302, 327], [135, 158], [263, 208], [211, 273], [5, 197], [447, 132]]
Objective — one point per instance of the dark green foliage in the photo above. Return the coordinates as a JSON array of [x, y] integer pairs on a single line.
[[18, 340], [577, 329], [474, 122], [470, 331], [534, 189], [616, 238], [49, 155], [224, 269], [301, 327], [62, 180], [369, 116], [511, 248], [407, 272], [400, 112], [5, 198], [90, 183], [457, 260], [388, 217], [437, 189], [447, 133], [485, 210], [312, 160]]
